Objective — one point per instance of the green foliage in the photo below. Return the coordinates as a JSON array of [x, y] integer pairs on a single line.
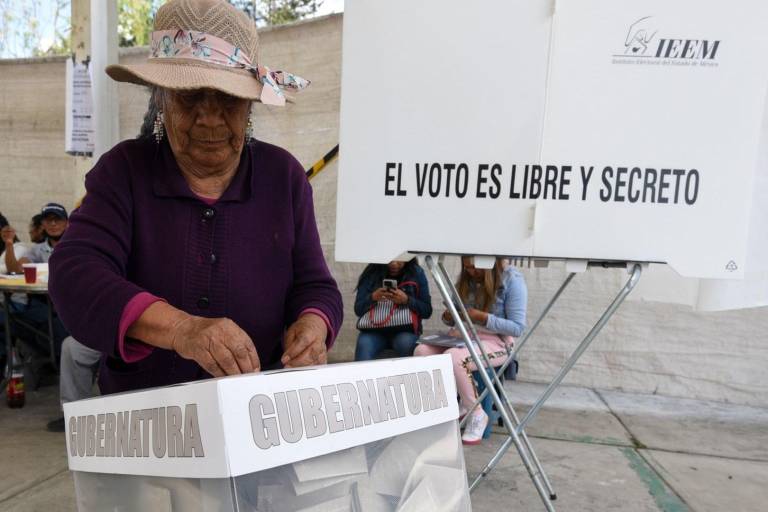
[[134, 24], [277, 12], [24, 34], [134, 21]]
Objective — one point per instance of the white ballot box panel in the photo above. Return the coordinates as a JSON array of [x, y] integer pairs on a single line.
[[351, 480], [295, 416], [131, 493], [433, 460], [169, 431], [354, 436], [238, 425]]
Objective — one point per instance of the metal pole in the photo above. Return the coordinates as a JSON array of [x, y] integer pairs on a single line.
[[631, 282], [436, 274], [502, 392], [636, 272], [52, 341], [8, 370], [492, 464], [473, 329]]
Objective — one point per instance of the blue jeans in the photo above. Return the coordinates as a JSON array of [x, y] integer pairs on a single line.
[[370, 343]]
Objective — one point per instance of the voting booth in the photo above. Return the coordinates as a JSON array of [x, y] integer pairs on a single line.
[[602, 133], [577, 129], [375, 436]]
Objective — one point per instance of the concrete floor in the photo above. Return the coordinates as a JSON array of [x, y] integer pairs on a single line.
[[602, 451]]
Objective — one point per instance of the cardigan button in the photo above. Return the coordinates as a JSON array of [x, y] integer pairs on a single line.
[[208, 213], [203, 302], [213, 259]]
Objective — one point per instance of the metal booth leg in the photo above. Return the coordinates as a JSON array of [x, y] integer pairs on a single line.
[[50, 333], [515, 437], [628, 287], [8, 340], [511, 357], [502, 392]]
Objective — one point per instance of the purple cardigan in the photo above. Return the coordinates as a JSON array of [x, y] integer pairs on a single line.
[[254, 256]]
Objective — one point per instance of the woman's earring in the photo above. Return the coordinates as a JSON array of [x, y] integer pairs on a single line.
[[249, 130], [159, 129]]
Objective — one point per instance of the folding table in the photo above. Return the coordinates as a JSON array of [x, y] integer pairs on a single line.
[[8, 287]]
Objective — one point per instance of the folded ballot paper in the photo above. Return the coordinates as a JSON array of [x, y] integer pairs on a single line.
[[376, 436]]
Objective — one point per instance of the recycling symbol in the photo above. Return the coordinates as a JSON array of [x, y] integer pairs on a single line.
[[731, 266]]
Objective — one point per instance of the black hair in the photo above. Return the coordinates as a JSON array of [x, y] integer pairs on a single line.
[[4, 222], [378, 271], [148, 125], [37, 223]]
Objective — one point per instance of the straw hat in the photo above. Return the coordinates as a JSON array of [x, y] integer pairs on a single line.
[[207, 44]]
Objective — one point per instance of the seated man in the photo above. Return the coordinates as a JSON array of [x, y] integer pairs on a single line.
[[55, 222], [78, 363], [18, 300], [36, 232]]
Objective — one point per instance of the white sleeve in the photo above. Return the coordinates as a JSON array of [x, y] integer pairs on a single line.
[[19, 249]]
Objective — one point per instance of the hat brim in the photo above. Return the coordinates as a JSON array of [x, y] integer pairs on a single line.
[[56, 214], [189, 75]]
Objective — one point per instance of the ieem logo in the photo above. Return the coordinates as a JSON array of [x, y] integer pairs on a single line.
[[639, 37], [641, 41]]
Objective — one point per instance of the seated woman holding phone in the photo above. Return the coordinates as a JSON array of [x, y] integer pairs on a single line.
[[496, 301], [391, 302]]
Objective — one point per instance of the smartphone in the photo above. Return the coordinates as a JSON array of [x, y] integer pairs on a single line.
[[389, 284]]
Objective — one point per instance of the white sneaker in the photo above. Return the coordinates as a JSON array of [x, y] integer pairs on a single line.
[[473, 432]]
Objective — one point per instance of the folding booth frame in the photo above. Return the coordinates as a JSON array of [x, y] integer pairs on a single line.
[[514, 426]]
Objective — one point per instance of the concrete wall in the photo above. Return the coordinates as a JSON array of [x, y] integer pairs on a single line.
[[647, 347]]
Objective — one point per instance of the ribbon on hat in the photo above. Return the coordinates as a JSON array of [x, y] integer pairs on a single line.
[[188, 44]]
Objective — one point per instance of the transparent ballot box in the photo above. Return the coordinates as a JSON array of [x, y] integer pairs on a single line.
[[417, 471], [374, 436]]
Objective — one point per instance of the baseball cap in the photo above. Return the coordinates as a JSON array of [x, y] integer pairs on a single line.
[[54, 209]]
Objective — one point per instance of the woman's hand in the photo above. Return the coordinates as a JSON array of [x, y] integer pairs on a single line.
[[478, 317], [216, 344], [8, 234], [380, 294], [305, 342], [398, 296]]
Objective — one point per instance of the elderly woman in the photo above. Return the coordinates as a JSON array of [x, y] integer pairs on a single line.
[[195, 252]]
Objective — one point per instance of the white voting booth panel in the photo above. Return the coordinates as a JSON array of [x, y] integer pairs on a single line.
[[661, 284], [600, 130], [447, 96], [376, 436]]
